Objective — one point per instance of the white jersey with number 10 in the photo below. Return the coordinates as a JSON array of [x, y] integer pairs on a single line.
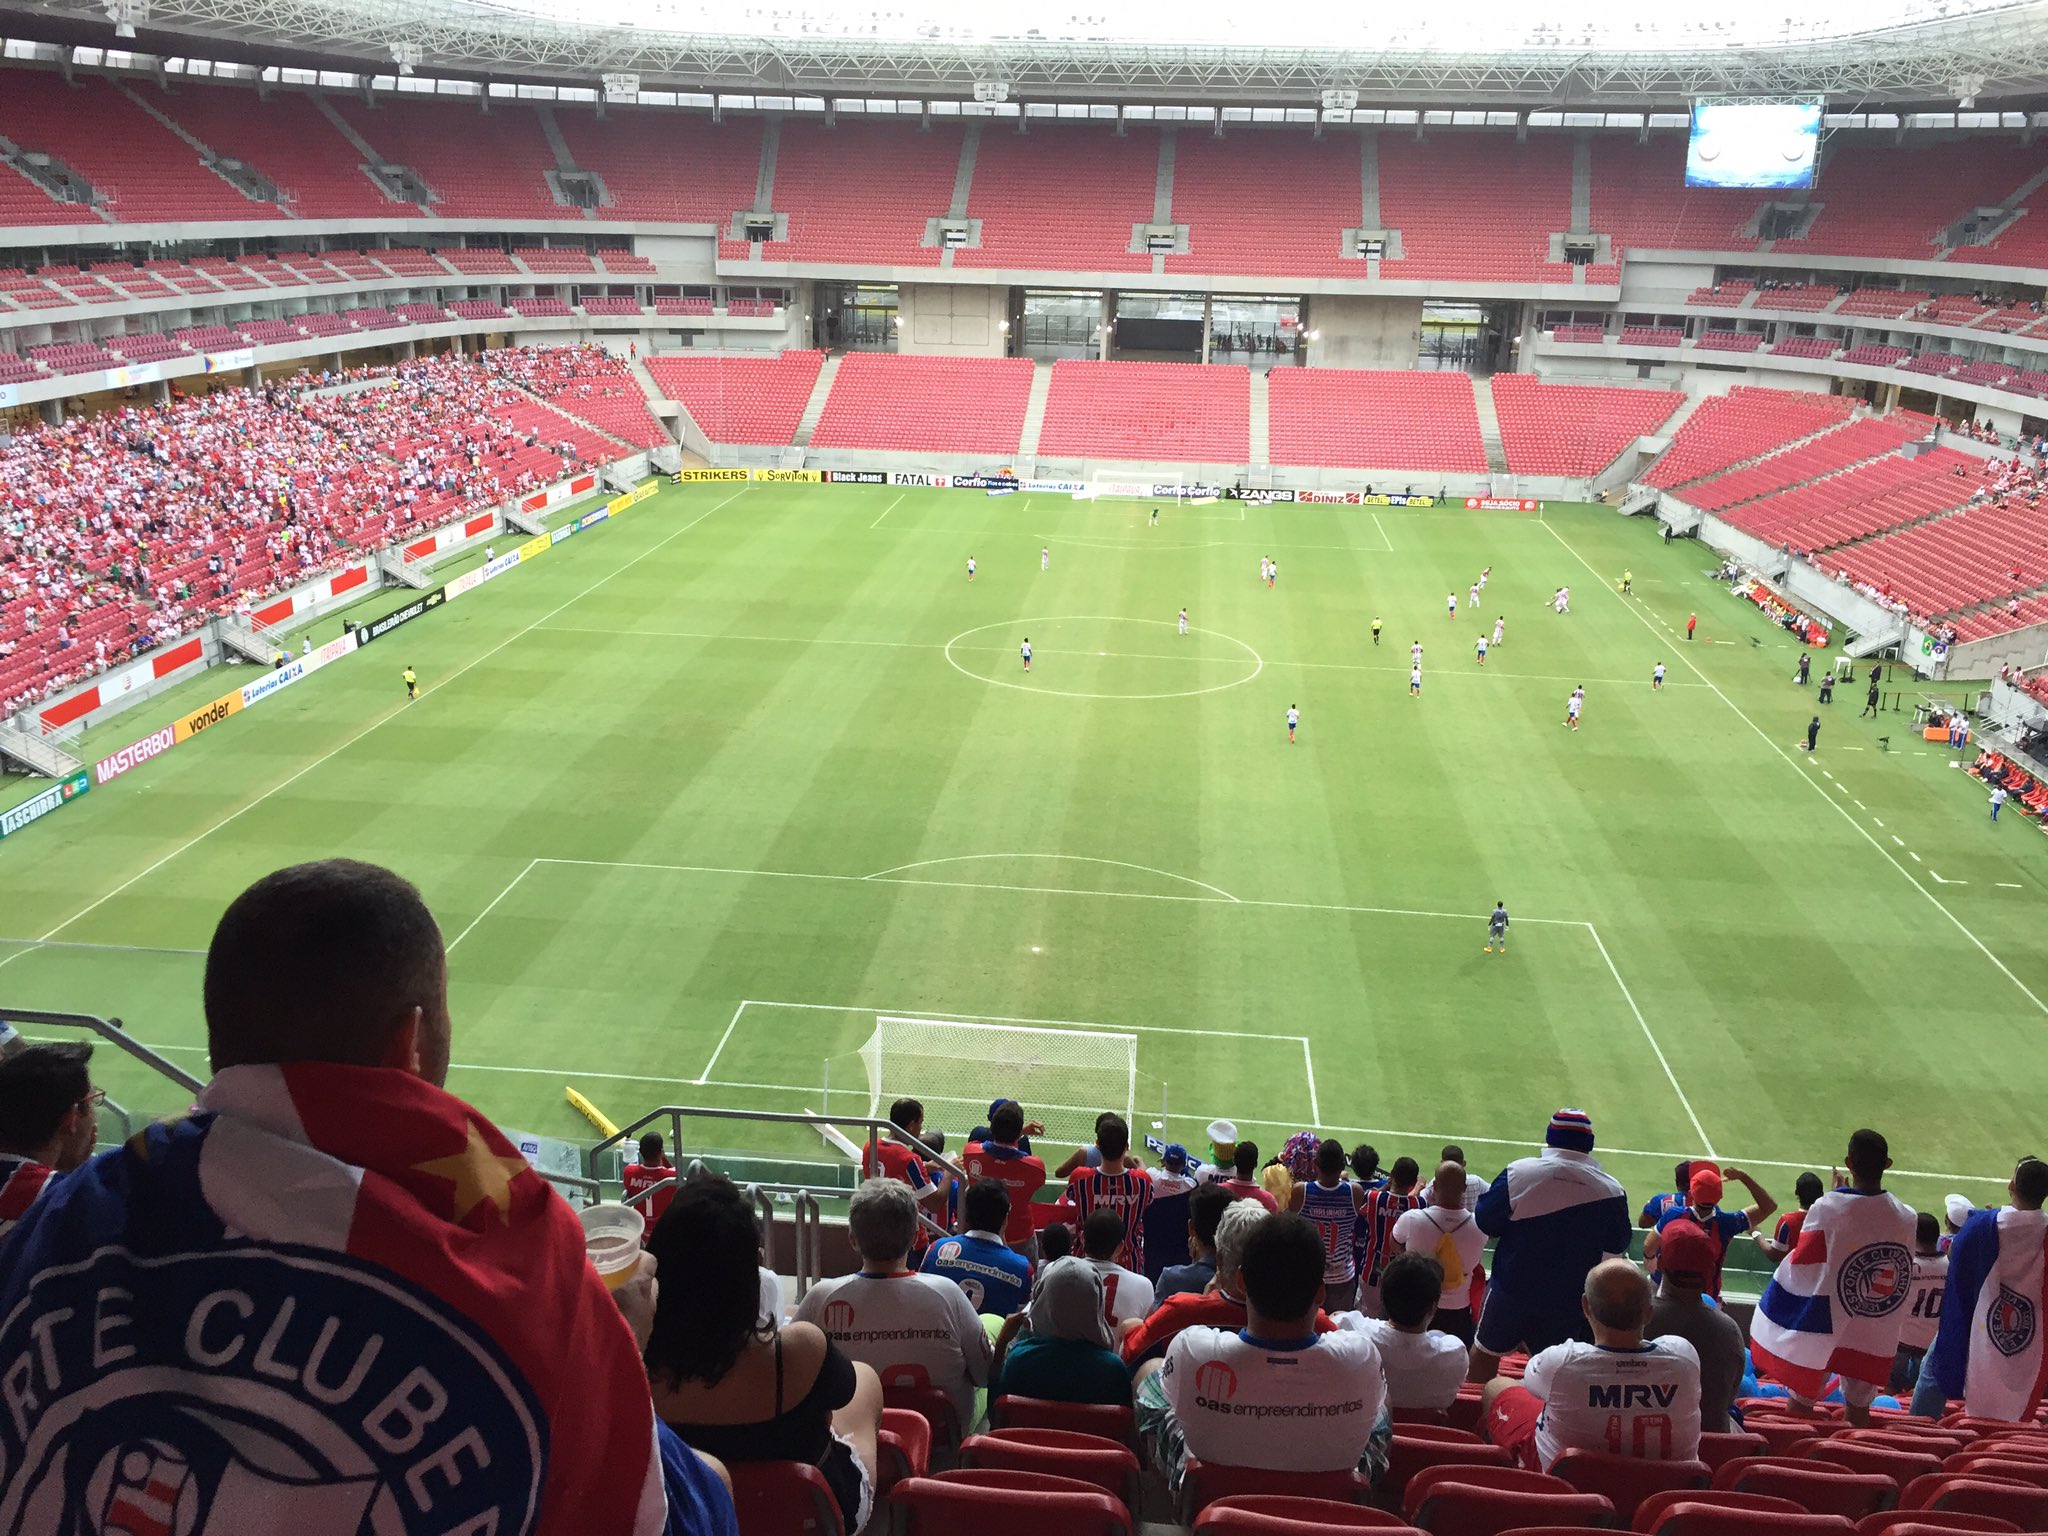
[[1628, 1402]]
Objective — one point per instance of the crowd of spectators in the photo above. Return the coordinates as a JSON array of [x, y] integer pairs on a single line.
[[122, 531], [1292, 1340]]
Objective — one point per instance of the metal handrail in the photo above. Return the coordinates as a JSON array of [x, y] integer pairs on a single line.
[[114, 1033], [675, 1114]]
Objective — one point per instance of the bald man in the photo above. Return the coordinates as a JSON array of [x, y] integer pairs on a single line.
[[1618, 1394], [1445, 1231]]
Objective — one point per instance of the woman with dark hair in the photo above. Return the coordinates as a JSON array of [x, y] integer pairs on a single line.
[[736, 1387]]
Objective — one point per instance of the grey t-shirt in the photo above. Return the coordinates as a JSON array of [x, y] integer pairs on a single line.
[[1717, 1339]]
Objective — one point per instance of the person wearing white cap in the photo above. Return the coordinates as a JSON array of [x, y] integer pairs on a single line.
[[1955, 1210], [1222, 1153]]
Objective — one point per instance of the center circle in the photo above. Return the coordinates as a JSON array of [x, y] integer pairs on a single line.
[[1086, 636]]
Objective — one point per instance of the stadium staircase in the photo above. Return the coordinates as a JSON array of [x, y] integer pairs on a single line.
[[393, 566], [236, 634], [1261, 421], [1489, 425], [1034, 409], [35, 755], [247, 180], [807, 423]]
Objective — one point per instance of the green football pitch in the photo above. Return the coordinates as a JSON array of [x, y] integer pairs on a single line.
[[702, 795]]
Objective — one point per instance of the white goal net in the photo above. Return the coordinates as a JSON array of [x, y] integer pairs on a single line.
[[1063, 1077]]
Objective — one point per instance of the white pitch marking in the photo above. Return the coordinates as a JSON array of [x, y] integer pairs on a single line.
[[1383, 532], [487, 911], [1859, 805], [1879, 822], [1308, 1063], [1004, 1018], [1670, 1076], [1898, 839], [719, 1050], [887, 510], [1076, 858], [286, 783], [1916, 857], [2003, 969], [2008, 885]]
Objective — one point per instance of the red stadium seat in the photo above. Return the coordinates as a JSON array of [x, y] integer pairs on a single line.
[[1408, 1455], [1787, 1437], [1817, 1486], [991, 1503], [784, 1498], [906, 1387], [1273, 1514], [1628, 1480], [903, 1446], [1697, 1519], [1109, 1465], [2021, 1502], [1430, 1483], [1718, 1449], [1112, 1421], [1466, 1509], [1203, 1483], [1862, 1456], [1996, 1464], [1425, 1418], [1928, 1522], [1652, 1509]]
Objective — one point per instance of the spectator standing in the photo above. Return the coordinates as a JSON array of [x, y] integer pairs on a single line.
[[1205, 1208], [1277, 1395], [1374, 1234], [1244, 1183], [892, 1157], [1475, 1186], [49, 1120], [436, 1256], [738, 1391], [1923, 1308], [638, 1178], [1445, 1231], [1091, 1156], [1555, 1216], [1424, 1366], [1115, 1186], [1955, 1211], [1619, 1394], [1988, 1350], [1126, 1294], [995, 1277], [1658, 1204], [1060, 1349], [1171, 1177], [1704, 1210], [1838, 1298], [1221, 1306], [1806, 1189], [1692, 1258], [892, 1318], [1329, 1202], [1000, 1153]]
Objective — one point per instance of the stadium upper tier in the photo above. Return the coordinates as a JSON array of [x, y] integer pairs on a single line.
[[1473, 206]]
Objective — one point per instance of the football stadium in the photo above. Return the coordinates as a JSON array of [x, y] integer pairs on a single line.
[[1348, 732]]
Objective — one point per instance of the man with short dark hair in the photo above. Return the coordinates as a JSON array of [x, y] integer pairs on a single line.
[[1205, 1208], [652, 1169], [996, 1278], [1244, 1183], [1837, 1301], [1221, 1306], [1989, 1349], [1278, 1395], [890, 1316], [1330, 1201], [1117, 1187], [1126, 1294], [997, 1155], [1807, 1188], [49, 1120], [1424, 1365], [1449, 1234], [1374, 1234], [1618, 1394], [455, 1360]]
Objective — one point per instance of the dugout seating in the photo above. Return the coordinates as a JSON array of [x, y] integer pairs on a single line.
[[1730, 293], [1743, 424], [1572, 429], [1189, 412], [885, 400], [1375, 419], [1651, 335], [1062, 198], [741, 398]]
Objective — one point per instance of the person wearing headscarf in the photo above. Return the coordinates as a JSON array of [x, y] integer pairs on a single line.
[[1060, 1346]]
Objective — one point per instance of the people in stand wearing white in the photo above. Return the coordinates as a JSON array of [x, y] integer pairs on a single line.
[[1619, 1394], [1276, 1395], [1445, 1231], [893, 1318], [1923, 1304], [1424, 1367], [1475, 1186], [1331, 1202], [1126, 1294]]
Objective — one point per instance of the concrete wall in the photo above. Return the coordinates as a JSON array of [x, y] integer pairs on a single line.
[[951, 320], [1359, 332], [1982, 658]]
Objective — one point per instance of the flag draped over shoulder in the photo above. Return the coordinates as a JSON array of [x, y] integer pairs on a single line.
[[1838, 1298], [333, 1299], [1989, 1350]]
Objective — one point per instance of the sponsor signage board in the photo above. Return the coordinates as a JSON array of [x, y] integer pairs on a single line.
[[34, 809]]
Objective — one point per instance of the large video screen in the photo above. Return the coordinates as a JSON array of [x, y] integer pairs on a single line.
[[1753, 144]]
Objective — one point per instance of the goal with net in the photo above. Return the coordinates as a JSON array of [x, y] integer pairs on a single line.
[[1062, 1077]]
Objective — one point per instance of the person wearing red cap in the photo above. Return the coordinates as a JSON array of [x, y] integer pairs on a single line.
[[1704, 1209], [1692, 1261]]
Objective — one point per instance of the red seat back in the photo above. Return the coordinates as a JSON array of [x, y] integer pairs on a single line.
[[1818, 1486], [1696, 1519], [1112, 1421], [1204, 1482], [1407, 1456], [990, 1503], [1627, 1480], [2020, 1502], [784, 1498], [903, 1446], [1998, 1466], [1887, 1461], [1510, 1479], [1652, 1509], [1717, 1450], [1273, 1514], [1928, 1522], [1060, 1452], [1463, 1509], [907, 1388]]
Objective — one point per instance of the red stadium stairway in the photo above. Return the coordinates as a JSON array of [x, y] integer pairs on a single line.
[[1262, 419], [1034, 409], [1489, 425]]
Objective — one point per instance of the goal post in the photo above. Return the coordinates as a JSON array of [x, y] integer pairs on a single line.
[[1062, 1077]]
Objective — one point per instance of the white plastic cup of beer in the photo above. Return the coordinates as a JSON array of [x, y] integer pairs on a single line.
[[611, 1236]]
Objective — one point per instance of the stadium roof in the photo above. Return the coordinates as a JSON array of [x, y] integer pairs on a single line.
[[1857, 53]]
